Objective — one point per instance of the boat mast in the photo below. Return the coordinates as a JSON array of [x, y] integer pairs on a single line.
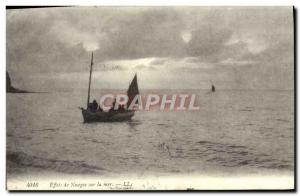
[[88, 98]]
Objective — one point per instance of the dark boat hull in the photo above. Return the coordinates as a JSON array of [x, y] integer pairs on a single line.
[[117, 116]]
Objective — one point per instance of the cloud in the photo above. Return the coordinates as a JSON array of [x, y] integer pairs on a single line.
[[226, 40], [109, 67], [158, 61], [130, 33], [140, 66], [232, 62]]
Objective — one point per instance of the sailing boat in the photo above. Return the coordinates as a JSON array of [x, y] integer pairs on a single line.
[[213, 89], [111, 115]]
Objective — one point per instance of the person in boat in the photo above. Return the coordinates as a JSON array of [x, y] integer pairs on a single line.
[[112, 109], [93, 106], [122, 108], [119, 108]]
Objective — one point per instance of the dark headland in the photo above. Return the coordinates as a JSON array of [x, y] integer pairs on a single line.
[[11, 89]]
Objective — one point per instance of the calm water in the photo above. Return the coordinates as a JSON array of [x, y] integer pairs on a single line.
[[234, 132]]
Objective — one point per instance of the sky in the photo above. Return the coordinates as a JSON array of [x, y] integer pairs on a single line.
[[49, 49]]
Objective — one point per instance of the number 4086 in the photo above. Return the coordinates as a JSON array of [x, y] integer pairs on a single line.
[[32, 184]]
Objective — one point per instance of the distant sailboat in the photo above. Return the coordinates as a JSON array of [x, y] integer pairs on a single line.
[[213, 89], [98, 115]]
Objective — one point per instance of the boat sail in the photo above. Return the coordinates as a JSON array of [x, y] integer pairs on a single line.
[[96, 114], [132, 91]]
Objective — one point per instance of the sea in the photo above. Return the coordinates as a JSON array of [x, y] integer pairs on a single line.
[[235, 132]]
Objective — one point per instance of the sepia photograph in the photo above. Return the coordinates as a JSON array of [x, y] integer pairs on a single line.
[[164, 98]]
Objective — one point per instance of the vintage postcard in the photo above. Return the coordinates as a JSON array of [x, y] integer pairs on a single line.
[[150, 98]]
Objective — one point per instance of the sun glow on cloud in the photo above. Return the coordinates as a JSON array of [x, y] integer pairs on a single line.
[[131, 64], [254, 45], [90, 46], [186, 36]]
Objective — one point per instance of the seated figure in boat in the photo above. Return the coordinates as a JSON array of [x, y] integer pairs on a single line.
[[93, 107], [119, 108], [122, 108], [113, 109]]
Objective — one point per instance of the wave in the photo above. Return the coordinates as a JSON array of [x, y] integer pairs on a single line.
[[21, 159], [229, 155]]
